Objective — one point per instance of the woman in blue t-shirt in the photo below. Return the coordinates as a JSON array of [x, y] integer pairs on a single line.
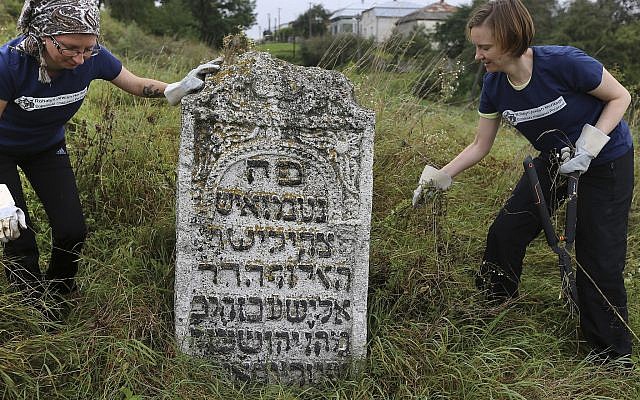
[[44, 77], [556, 96]]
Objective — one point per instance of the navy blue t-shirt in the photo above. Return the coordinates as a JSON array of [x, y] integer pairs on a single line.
[[34, 117], [555, 98]]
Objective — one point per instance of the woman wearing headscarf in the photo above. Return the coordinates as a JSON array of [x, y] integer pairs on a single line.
[[45, 74]]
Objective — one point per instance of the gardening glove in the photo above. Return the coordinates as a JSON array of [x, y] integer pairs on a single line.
[[11, 217], [588, 145], [194, 80], [432, 178]]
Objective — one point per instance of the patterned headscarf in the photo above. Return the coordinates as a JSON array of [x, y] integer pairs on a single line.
[[55, 17]]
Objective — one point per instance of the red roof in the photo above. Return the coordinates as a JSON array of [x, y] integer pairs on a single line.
[[440, 6]]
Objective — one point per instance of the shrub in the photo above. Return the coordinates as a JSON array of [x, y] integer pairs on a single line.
[[334, 51], [439, 81], [9, 13]]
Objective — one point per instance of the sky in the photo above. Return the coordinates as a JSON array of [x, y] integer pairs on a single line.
[[289, 10]]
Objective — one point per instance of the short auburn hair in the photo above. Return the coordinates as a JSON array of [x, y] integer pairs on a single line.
[[510, 22]]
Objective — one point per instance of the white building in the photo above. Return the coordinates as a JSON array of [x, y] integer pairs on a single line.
[[346, 20], [379, 21], [427, 17]]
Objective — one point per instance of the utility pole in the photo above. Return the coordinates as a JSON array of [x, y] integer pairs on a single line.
[[278, 18], [310, 29]]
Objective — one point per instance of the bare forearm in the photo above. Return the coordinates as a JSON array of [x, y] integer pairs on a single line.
[[480, 147], [613, 113], [616, 99], [151, 88], [467, 158], [138, 86]]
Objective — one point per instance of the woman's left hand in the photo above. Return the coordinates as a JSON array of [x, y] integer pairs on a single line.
[[192, 82], [588, 146]]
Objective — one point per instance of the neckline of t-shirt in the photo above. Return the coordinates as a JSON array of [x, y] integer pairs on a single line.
[[521, 86], [524, 85], [64, 73]]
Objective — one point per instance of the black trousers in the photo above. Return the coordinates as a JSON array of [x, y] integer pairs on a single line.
[[53, 180], [604, 200]]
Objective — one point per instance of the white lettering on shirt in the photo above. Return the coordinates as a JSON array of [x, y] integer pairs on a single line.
[[516, 117], [39, 103]]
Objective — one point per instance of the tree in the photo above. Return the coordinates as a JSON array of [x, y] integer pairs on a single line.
[[607, 30], [131, 10], [543, 13], [283, 34], [173, 17], [592, 27], [313, 22], [626, 57], [628, 10], [210, 20], [452, 39], [450, 34], [217, 18]]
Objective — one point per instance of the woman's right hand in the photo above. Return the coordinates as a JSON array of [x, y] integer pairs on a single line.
[[431, 178], [12, 218]]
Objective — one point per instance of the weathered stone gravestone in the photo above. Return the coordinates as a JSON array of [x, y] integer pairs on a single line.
[[274, 205]]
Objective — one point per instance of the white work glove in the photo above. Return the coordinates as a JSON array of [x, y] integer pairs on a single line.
[[588, 145], [194, 80], [11, 217], [433, 178]]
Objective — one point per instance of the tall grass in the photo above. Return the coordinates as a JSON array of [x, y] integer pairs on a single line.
[[430, 334]]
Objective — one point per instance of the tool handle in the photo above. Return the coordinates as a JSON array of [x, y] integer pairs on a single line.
[[572, 207], [539, 201]]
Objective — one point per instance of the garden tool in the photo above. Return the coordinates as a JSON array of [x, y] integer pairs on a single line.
[[562, 245]]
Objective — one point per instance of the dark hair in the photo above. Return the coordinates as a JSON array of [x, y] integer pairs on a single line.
[[510, 22]]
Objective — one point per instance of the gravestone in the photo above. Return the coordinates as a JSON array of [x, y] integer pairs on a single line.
[[273, 220]]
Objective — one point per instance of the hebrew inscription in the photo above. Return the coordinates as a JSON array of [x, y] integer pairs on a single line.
[[273, 220]]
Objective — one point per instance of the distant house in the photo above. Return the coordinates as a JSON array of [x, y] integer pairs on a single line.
[[427, 17], [379, 21], [347, 19]]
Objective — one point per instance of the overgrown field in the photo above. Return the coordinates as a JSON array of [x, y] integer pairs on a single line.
[[285, 51], [430, 335]]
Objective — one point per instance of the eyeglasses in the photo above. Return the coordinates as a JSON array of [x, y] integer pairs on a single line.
[[72, 53]]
